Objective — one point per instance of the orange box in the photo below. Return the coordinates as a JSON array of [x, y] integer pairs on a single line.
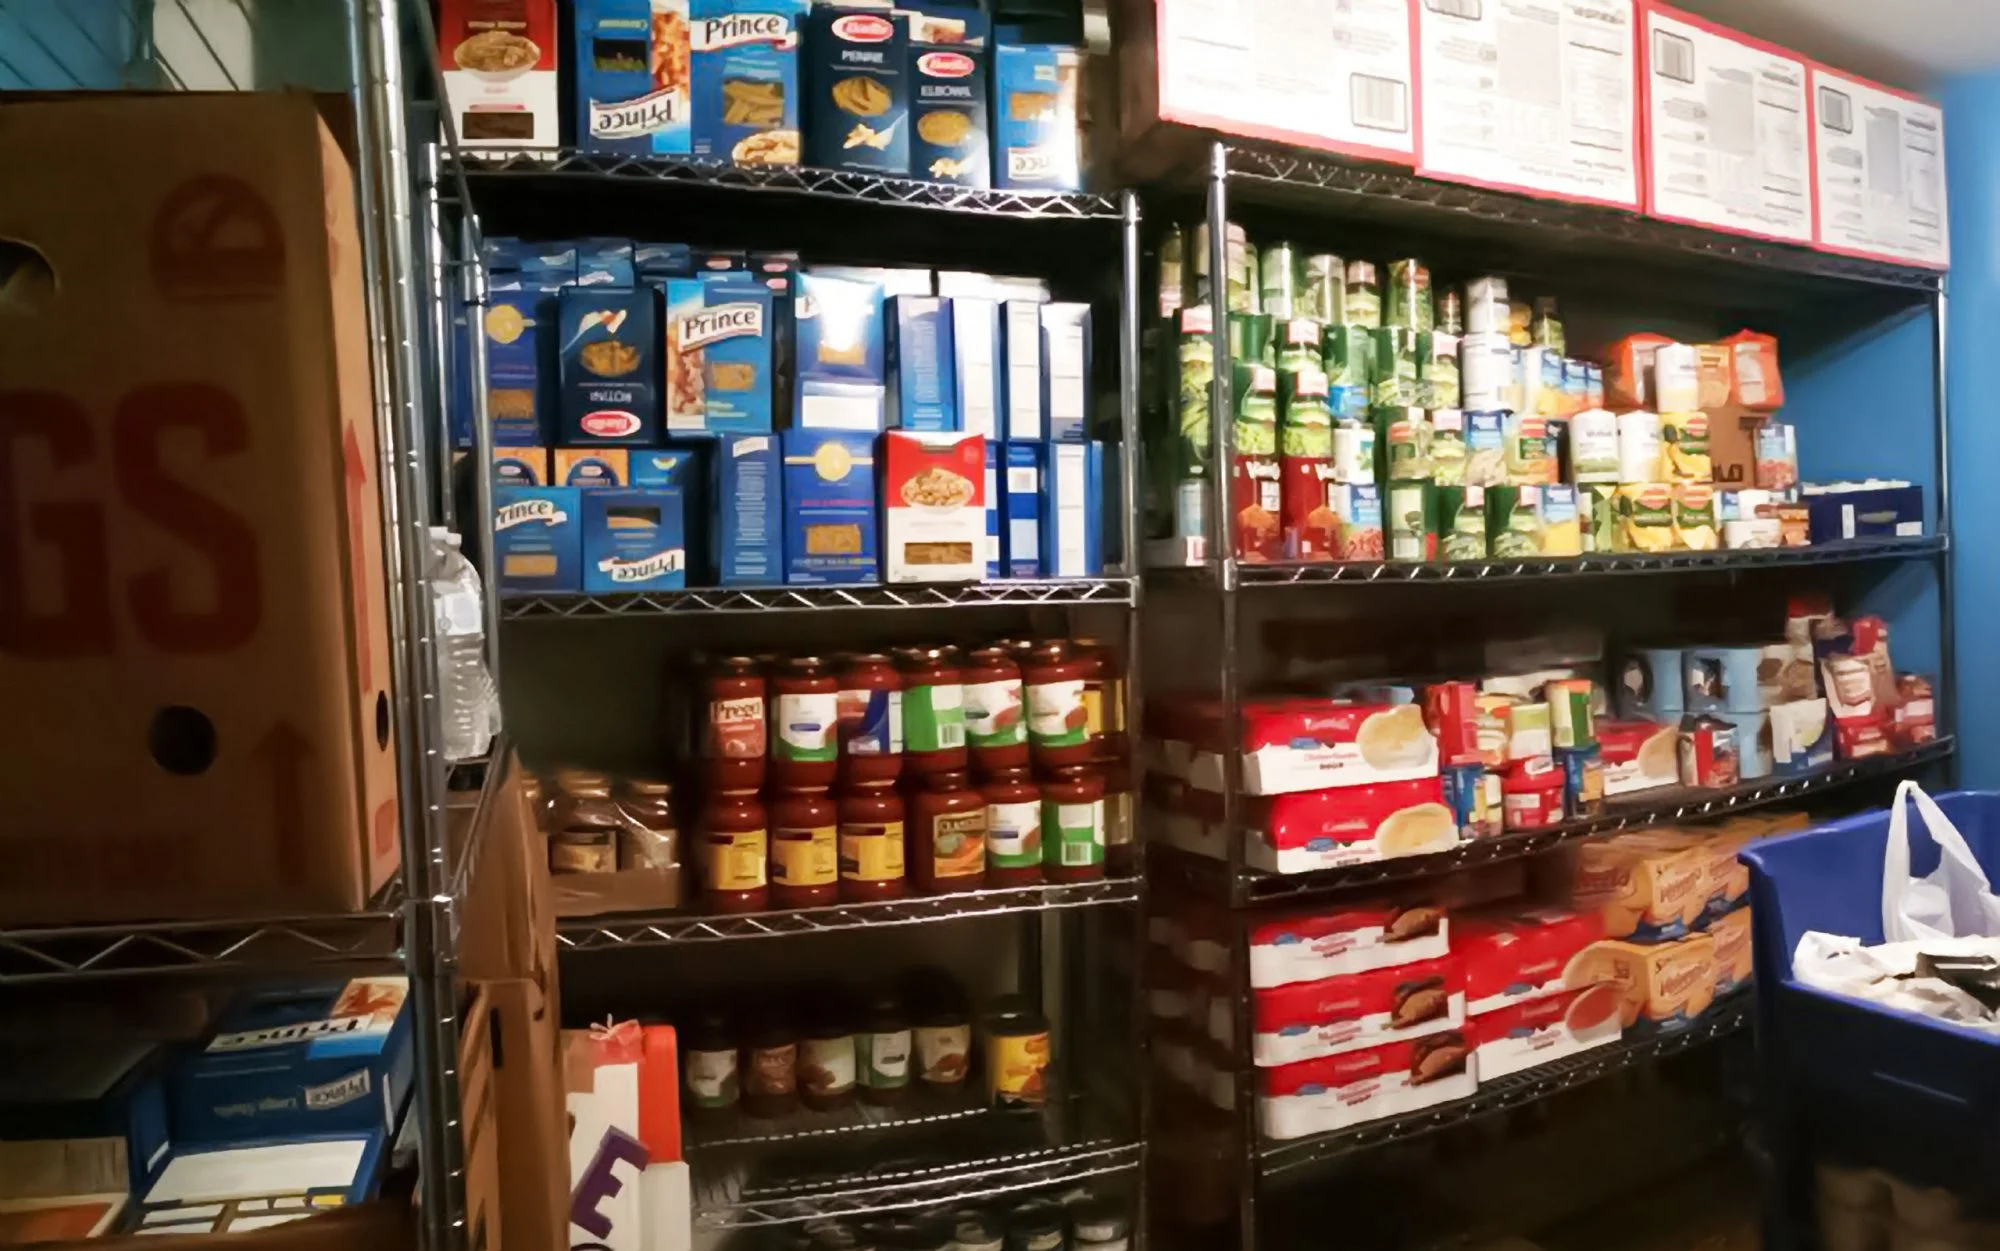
[[1733, 962], [1665, 984], [1648, 887]]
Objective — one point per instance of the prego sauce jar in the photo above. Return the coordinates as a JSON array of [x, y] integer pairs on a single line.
[[1058, 722], [733, 850], [1073, 827], [933, 711], [805, 856], [947, 835], [996, 727], [733, 740], [871, 721], [871, 845], [1013, 829], [804, 714]]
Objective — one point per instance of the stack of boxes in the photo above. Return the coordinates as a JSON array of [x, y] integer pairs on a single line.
[[733, 419]]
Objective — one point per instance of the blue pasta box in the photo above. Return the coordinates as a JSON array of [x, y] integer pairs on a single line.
[[521, 466], [996, 554], [857, 77], [96, 1102], [591, 467], [233, 1187], [748, 516], [975, 354], [1864, 510], [538, 539], [923, 388], [553, 262], [327, 1057], [746, 80], [605, 366], [606, 263], [1073, 511], [1066, 370], [632, 77], [840, 354], [949, 142], [520, 326], [736, 334], [676, 465], [830, 517], [634, 540], [1021, 509], [1021, 338], [656, 262], [1035, 145]]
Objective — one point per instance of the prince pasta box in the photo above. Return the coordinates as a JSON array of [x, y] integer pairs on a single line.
[[746, 80], [934, 504]]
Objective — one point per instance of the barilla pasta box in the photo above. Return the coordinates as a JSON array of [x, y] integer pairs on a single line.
[[934, 507], [923, 388], [634, 540], [857, 74], [720, 355], [538, 539], [592, 467], [606, 367], [632, 77], [1035, 117], [1026, 397], [948, 100], [746, 516], [1066, 376], [839, 348], [521, 466], [1352, 938], [829, 507], [319, 1058], [1073, 523], [975, 348], [746, 80], [1354, 1011], [520, 326], [1022, 478]]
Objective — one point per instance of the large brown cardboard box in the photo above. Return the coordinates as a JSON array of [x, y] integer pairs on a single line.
[[192, 634]]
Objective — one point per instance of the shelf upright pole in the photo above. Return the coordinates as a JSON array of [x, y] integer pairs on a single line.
[[1130, 318], [472, 290], [388, 239], [1128, 381], [1948, 629], [437, 326]]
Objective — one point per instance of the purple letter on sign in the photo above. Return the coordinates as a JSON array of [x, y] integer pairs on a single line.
[[600, 1181]]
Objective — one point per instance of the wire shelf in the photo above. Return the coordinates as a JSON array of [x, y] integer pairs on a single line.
[[1506, 1093], [821, 184], [648, 930], [1052, 592], [84, 953]]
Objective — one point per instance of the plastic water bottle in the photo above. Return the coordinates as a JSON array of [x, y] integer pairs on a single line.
[[470, 704]]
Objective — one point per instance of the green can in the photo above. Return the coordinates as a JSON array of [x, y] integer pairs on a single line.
[[1437, 369], [1513, 522], [1302, 397], [1255, 438], [1250, 339], [1410, 516], [1279, 270], [1596, 507], [1403, 437], [1394, 367], [1462, 522], [1254, 392], [1364, 295], [1300, 344], [1408, 302], [1350, 356], [1315, 442], [1197, 373], [1323, 288], [1448, 452], [1173, 270]]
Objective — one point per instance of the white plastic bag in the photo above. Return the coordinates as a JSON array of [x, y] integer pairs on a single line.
[[1955, 901]]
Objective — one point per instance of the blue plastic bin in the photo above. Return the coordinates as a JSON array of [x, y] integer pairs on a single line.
[[1922, 1086]]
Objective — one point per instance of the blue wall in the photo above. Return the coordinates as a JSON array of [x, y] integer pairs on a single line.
[[64, 45]]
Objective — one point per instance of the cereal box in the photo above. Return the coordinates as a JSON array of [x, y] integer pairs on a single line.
[[948, 111], [1021, 326], [923, 388], [1073, 528], [975, 344], [632, 76], [1021, 509], [840, 367], [857, 74], [934, 506], [746, 80], [1035, 119], [829, 506], [521, 466], [747, 516], [499, 59], [605, 366], [538, 538], [520, 374], [719, 355], [592, 467], [1066, 346], [633, 540]]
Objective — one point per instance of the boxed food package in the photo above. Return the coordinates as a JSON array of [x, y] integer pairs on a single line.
[[1066, 371], [634, 540], [538, 539], [721, 358], [1724, 679], [628, 1183], [522, 466], [949, 140], [923, 386], [858, 90], [1352, 1012], [1528, 1032], [520, 328], [632, 72], [1336, 1092], [499, 59], [1035, 135], [829, 506], [593, 467], [1512, 957], [976, 364], [203, 346], [1355, 938], [934, 507], [748, 511], [1733, 961], [1876, 508], [744, 76], [1648, 887], [605, 364], [840, 354], [237, 1187], [1315, 744], [1652, 684], [1666, 985], [1024, 476], [1325, 829], [1027, 401], [1073, 527], [1801, 737]]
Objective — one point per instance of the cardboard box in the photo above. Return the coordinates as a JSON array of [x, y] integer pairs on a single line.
[[655, 263], [1027, 398], [830, 502], [499, 59], [521, 466], [621, 1092], [208, 1189], [720, 355], [200, 621], [949, 128], [995, 544], [840, 368], [590, 467], [677, 466], [1354, 937], [1352, 1011], [1073, 523], [1036, 143], [1021, 509], [520, 328], [606, 262], [634, 540], [858, 79], [934, 507], [80, 1115], [478, 1122], [1066, 348], [606, 367], [746, 80], [923, 386], [975, 343], [632, 77], [748, 517], [538, 539]]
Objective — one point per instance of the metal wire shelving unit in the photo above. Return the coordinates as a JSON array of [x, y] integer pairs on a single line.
[[1031, 593]]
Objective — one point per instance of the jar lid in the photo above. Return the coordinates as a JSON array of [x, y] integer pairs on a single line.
[[1015, 1013], [1033, 1221], [649, 786], [742, 662], [973, 1227], [589, 782], [803, 662], [873, 658], [1100, 1220], [947, 780]]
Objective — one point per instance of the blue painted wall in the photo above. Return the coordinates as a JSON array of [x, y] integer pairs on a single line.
[[64, 45]]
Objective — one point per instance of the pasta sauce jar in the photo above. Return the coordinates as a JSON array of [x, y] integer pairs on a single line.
[[733, 740], [804, 713], [1104, 697], [947, 834], [871, 845], [1058, 721], [733, 851], [996, 729], [1013, 829], [933, 711], [1120, 807], [1073, 826], [805, 858], [871, 721]]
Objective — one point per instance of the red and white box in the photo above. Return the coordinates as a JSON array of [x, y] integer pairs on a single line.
[[1344, 1090], [1310, 830], [1377, 934], [1514, 958], [1351, 1012], [1638, 755], [1537, 1031], [1312, 744]]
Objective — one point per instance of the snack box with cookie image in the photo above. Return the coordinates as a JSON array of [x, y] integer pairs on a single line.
[[1638, 756], [1733, 962], [1308, 830], [1662, 986], [1351, 938], [720, 355], [1035, 144], [520, 323], [538, 538], [1529, 1032], [948, 106], [1648, 887], [923, 384], [829, 494], [840, 353], [746, 80], [632, 77], [605, 360], [499, 59], [934, 507], [1302, 744], [1352, 1011], [634, 540], [858, 80], [1516, 956], [1338, 1092], [746, 519]]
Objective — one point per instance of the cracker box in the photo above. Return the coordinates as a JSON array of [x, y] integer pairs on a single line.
[[1663, 986], [1073, 518], [1326, 829], [326, 1057], [1648, 887], [934, 507], [840, 374], [747, 518], [592, 467], [923, 387], [1066, 348], [1022, 479], [520, 326], [1349, 938], [538, 538], [633, 540], [606, 366], [720, 355], [1035, 146], [499, 59], [949, 140], [858, 84], [632, 77], [975, 344], [1353, 1011], [521, 466], [746, 80], [829, 507], [1026, 398]]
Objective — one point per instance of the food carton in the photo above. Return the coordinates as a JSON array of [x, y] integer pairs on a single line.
[[520, 329], [589, 467], [744, 102], [1648, 887], [499, 59], [858, 85], [520, 466], [632, 72], [1311, 744], [840, 359], [829, 507], [634, 540], [747, 516], [1336, 1092], [1066, 371], [977, 364], [1036, 145], [1354, 938], [1072, 529], [949, 140], [538, 538], [1512, 958], [607, 338], [923, 387], [1351, 1012], [1733, 962], [1665, 985], [1529, 1032], [934, 507]]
